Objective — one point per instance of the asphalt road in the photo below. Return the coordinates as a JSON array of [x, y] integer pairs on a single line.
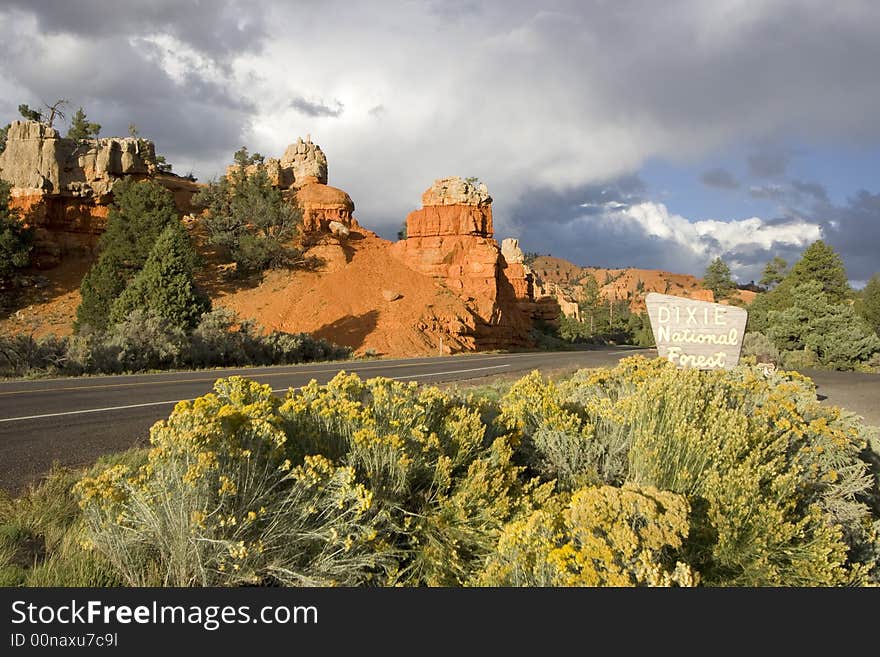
[[854, 391], [72, 421]]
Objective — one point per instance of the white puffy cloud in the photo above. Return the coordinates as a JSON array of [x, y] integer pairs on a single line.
[[710, 238], [646, 234]]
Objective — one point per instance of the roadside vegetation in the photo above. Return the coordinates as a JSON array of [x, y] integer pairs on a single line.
[[143, 229], [601, 322], [811, 318], [641, 474], [147, 342]]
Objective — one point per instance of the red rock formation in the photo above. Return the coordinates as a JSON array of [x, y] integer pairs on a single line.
[[441, 220], [702, 295], [623, 284], [451, 240], [63, 225], [322, 204], [301, 173], [520, 281], [538, 301]]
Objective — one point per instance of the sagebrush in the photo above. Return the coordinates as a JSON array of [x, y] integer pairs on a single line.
[[144, 341]]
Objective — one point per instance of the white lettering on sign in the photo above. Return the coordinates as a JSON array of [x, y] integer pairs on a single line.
[[697, 334]]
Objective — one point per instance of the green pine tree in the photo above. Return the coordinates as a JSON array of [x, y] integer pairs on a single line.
[[869, 303], [833, 332], [719, 280], [248, 219], [15, 239], [774, 272], [139, 214], [29, 114], [101, 285], [81, 127], [165, 287], [590, 304], [819, 262]]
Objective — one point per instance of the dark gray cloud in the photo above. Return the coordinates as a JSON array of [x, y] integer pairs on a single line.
[[219, 28], [190, 110], [854, 230], [813, 190], [792, 193], [768, 164], [764, 74], [455, 10], [317, 108], [538, 98], [721, 178], [540, 208]]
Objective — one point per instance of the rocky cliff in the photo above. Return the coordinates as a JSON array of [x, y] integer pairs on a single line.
[[303, 163], [64, 186]]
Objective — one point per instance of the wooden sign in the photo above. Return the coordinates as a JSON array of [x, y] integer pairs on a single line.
[[698, 334]]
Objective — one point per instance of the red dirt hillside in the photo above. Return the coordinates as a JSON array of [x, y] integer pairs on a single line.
[[350, 304]]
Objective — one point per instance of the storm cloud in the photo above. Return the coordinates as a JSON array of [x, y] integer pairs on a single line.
[[222, 28], [853, 229], [619, 229], [546, 102]]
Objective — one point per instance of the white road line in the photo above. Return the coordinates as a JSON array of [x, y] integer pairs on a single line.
[[168, 403], [86, 410], [473, 369]]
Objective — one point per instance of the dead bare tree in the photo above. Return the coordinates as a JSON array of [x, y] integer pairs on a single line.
[[55, 110]]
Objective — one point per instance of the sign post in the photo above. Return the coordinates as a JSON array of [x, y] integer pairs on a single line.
[[689, 333]]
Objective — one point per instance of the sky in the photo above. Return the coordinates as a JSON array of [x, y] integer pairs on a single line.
[[611, 133]]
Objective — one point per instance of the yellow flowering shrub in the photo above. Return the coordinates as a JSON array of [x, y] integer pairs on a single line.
[[642, 474], [346, 483], [599, 536], [441, 486], [775, 480], [219, 502]]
